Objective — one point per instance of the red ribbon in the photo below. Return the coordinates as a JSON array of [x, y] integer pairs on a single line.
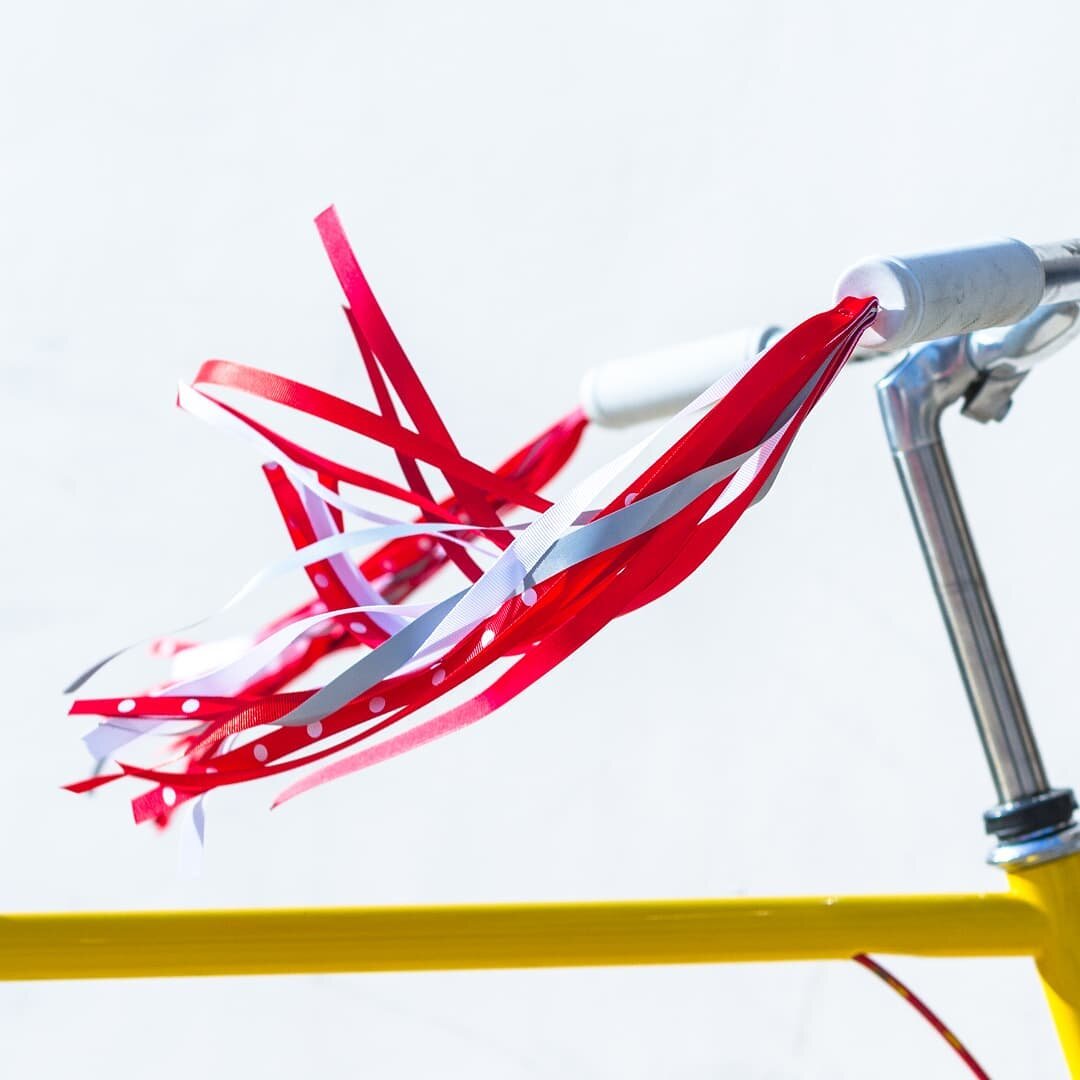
[[536, 630]]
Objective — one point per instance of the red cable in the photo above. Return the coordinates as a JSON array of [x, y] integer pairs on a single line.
[[924, 1011]]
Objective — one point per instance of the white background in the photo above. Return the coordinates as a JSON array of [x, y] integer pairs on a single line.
[[532, 189]]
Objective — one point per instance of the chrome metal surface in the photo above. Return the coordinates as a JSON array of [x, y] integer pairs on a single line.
[[1036, 849], [1061, 265], [973, 627], [913, 397], [918, 390], [1018, 348], [991, 397]]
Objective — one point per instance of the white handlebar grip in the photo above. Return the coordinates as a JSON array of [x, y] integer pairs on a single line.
[[943, 293], [658, 384]]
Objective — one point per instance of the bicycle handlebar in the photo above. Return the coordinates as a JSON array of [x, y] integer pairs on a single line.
[[657, 384], [923, 297], [944, 293]]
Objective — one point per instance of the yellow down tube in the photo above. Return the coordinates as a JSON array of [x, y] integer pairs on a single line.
[[288, 941], [1054, 888]]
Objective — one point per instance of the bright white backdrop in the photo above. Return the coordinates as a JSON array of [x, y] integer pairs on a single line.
[[532, 189]]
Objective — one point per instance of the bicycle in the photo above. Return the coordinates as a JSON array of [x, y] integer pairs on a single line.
[[950, 301]]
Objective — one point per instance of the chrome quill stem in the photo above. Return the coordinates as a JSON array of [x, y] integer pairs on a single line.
[[982, 370]]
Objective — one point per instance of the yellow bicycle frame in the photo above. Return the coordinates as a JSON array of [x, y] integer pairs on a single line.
[[1032, 919]]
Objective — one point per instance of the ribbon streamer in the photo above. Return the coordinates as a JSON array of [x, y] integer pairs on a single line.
[[533, 590]]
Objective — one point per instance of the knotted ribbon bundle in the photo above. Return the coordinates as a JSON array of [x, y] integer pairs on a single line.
[[531, 593]]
